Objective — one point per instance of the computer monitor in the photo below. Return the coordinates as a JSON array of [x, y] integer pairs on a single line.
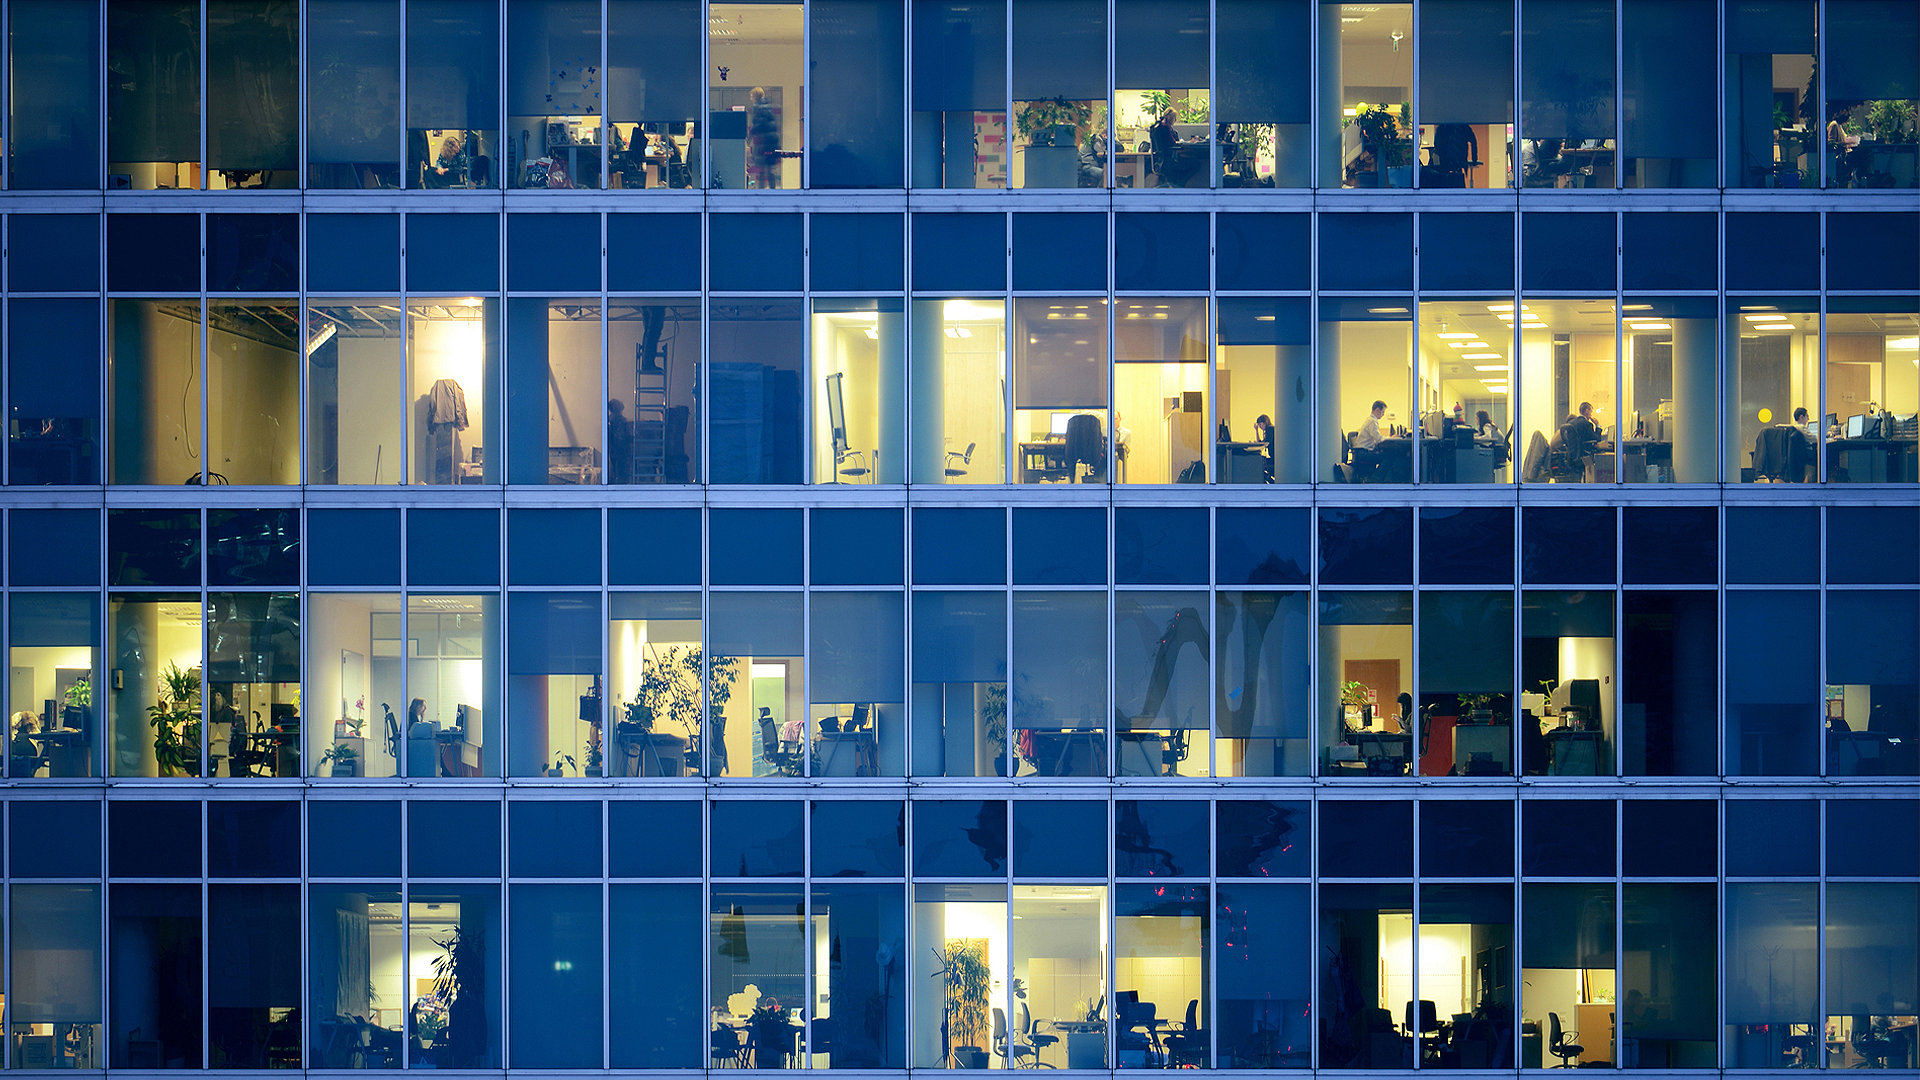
[[1434, 424], [1833, 421], [1059, 423], [1856, 426], [1191, 132]]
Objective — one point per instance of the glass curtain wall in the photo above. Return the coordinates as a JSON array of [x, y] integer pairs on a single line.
[[1568, 364], [1872, 90], [859, 392], [1567, 88], [153, 108], [755, 64], [653, 404], [1262, 419], [959, 400], [52, 658], [1366, 379], [1366, 136], [959, 692], [657, 672], [451, 358], [1772, 128], [1060, 388], [1367, 723], [1667, 363], [453, 96], [959, 137], [553, 391], [354, 663], [356, 392], [1667, 58], [53, 97], [253, 94], [353, 94], [1466, 94], [1466, 383], [1162, 130], [555, 94], [1060, 95], [1160, 391], [1262, 92], [653, 94], [1773, 369]]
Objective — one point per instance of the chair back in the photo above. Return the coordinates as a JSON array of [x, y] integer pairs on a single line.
[[999, 1025], [1193, 1014], [1083, 439], [1023, 1018], [1553, 1030], [769, 738]]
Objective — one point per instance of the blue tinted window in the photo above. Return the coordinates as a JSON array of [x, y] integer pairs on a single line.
[[1261, 251], [858, 547], [1388, 828], [757, 839], [65, 250], [253, 547], [1773, 250], [653, 839], [775, 243], [1160, 546], [1372, 252], [1466, 838], [553, 547], [553, 839], [453, 547], [653, 547], [453, 253], [1044, 833], [1261, 839], [1873, 838], [54, 838], [1669, 837], [1672, 545], [353, 839], [1566, 251], [857, 252], [1469, 545], [153, 547], [859, 839], [953, 546], [1567, 545], [960, 838], [1567, 838], [54, 547], [254, 838], [959, 252], [253, 253], [54, 433], [1670, 251], [1769, 544], [1868, 256], [1773, 837], [153, 252], [153, 838], [1873, 544], [1059, 547], [1159, 251], [653, 252], [353, 547], [453, 839], [553, 253], [1261, 546], [754, 547], [1466, 251], [1050, 251], [1366, 547], [1160, 839], [353, 253]]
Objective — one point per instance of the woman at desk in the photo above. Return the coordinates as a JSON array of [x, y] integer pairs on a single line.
[[21, 748], [1263, 434]]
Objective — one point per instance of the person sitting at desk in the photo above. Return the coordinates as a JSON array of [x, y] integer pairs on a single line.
[[1263, 434], [22, 749], [1172, 167], [1366, 442]]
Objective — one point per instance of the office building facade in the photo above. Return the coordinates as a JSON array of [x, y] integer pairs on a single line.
[[591, 535]]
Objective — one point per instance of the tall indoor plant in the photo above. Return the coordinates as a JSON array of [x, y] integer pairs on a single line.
[[175, 720]]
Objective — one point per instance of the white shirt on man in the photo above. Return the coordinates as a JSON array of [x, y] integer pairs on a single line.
[[1369, 436]]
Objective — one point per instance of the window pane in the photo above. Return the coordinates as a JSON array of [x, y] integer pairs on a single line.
[[1772, 138], [754, 364], [1466, 670], [356, 370], [353, 94], [1466, 93], [859, 839], [1264, 976], [1160, 938], [959, 683], [1667, 383], [1160, 66], [356, 977], [1466, 367], [1867, 341], [860, 412], [1872, 674], [656, 686], [1038, 827], [54, 97], [1366, 348], [1261, 368], [1160, 355], [553, 383], [1364, 132], [1873, 86], [253, 976], [1772, 705], [253, 83], [1466, 972], [1567, 367], [1160, 683], [1367, 718], [1262, 708], [1773, 975], [153, 349], [1059, 94], [1059, 696], [1873, 966], [1668, 62], [156, 1004], [451, 346], [959, 391], [1060, 372], [153, 103], [653, 93], [1566, 93], [54, 1019], [1057, 954], [1666, 688], [859, 78], [1262, 72], [1666, 1012], [757, 684], [757, 955], [656, 976], [554, 93], [453, 93], [553, 687], [253, 678], [1773, 368], [859, 935], [453, 707], [960, 94], [253, 391], [1373, 921], [963, 929], [356, 661], [859, 717], [155, 703], [454, 948], [1567, 683], [52, 654], [1567, 973], [554, 971], [653, 428]]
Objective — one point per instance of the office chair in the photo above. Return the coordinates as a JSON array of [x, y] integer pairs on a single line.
[[1874, 1049], [787, 762], [1423, 1021], [1343, 469], [842, 455], [393, 735], [965, 460], [1086, 446], [1005, 1045], [1559, 1043], [1039, 1042], [1187, 1048], [1770, 453], [724, 1049], [1133, 1022], [1866, 748]]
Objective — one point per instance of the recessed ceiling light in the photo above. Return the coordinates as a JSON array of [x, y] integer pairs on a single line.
[[1492, 367], [1481, 356], [1649, 326], [1466, 344], [1456, 335]]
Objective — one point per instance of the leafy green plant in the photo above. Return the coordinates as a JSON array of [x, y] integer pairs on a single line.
[[560, 764], [1890, 120], [670, 689], [1040, 120], [965, 983], [344, 759], [175, 720], [1383, 136], [79, 695], [1353, 693]]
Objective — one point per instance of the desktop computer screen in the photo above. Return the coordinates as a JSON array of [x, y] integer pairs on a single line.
[[1856, 426], [1058, 427]]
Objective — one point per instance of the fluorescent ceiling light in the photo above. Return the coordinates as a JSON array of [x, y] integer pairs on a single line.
[[1493, 367], [1766, 318], [1467, 344], [1481, 356], [1650, 326], [1903, 343], [1455, 335]]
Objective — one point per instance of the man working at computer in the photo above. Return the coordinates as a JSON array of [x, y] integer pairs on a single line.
[[1366, 442]]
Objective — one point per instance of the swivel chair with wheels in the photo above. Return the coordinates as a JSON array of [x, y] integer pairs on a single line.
[[1560, 1044], [957, 463], [1008, 1047], [1024, 1018]]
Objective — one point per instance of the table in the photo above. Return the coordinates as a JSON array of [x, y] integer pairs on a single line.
[[847, 753], [1242, 463], [1069, 751], [1041, 461]]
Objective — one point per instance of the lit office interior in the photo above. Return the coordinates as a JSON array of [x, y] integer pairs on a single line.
[[1060, 395], [1059, 108], [553, 380], [653, 426], [1160, 64], [755, 65], [1466, 372], [654, 693], [1568, 360], [1567, 724], [756, 670], [1261, 368], [1465, 718], [1367, 723], [959, 376], [859, 365], [52, 650], [1366, 94], [452, 62], [1366, 355], [1567, 94], [1773, 368]]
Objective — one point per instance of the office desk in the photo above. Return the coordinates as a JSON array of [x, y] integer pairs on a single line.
[[1639, 459], [1142, 753], [1586, 166], [1871, 461], [1445, 461], [847, 753], [65, 751], [1482, 750], [1068, 752], [1086, 1042], [1392, 458], [1042, 461], [1241, 463], [1383, 751], [1576, 752]]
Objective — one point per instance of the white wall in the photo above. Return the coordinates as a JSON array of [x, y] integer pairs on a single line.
[[446, 349]]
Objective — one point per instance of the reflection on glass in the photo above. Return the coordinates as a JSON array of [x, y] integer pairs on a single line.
[[253, 985], [1262, 419], [1263, 80], [757, 995], [153, 100], [1466, 379], [661, 1025], [1667, 722], [1773, 978], [554, 975], [1772, 138], [453, 94], [1367, 722], [1060, 392], [155, 1006], [1160, 683], [1366, 84], [553, 391], [1668, 1003], [1059, 947], [1466, 974], [757, 681], [1265, 1018], [754, 63], [454, 953], [1466, 93], [554, 93], [356, 976], [857, 712], [52, 717], [962, 956], [253, 391], [53, 99], [1872, 93], [450, 363], [353, 94], [1872, 961], [653, 93], [1161, 119], [959, 94], [1873, 684], [1567, 974], [653, 425], [656, 675], [1666, 383], [1466, 684], [1567, 93], [153, 350], [154, 704], [854, 110], [356, 392], [1567, 683], [253, 681], [859, 412], [1060, 94], [1160, 389], [253, 90], [1262, 717], [859, 938], [754, 375], [1161, 1006], [353, 685], [553, 687], [1873, 371], [54, 1017], [1058, 693], [1366, 361], [1366, 928], [453, 686], [1567, 365], [1773, 369], [1772, 696], [959, 683], [1667, 59], [959, 396]]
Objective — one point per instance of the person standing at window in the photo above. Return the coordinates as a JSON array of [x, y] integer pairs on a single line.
[[763, 141]]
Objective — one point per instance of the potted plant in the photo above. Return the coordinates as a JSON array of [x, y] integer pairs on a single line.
[[175, 720], [560, 763], [1479, 707], [459, 980], [345, 760], [993, 721], [1355, 702], [669, 694], [965, 983], [75, 703], [1384, 139]]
